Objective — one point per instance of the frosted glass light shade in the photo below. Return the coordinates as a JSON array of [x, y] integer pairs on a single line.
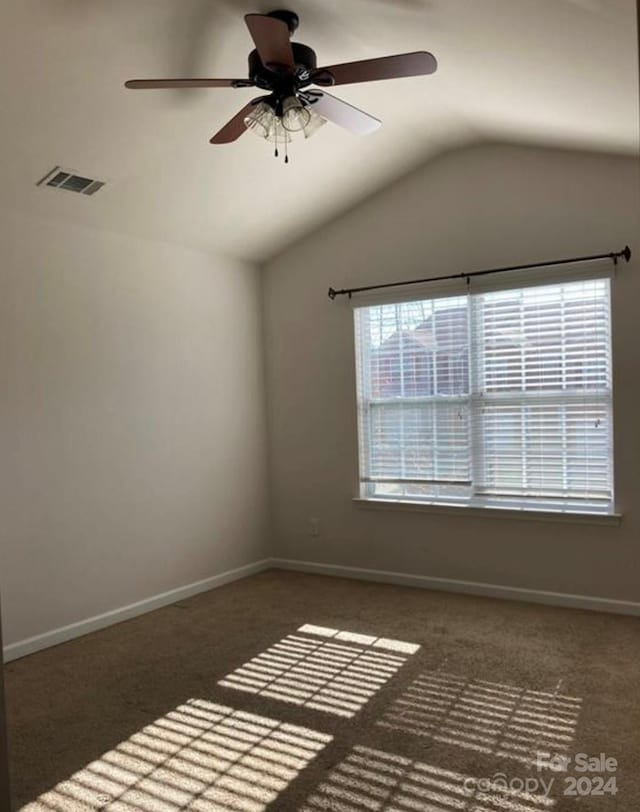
[[263, 122], [295, 116]]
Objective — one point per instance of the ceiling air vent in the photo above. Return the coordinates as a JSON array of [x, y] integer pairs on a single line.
[[66, 179]]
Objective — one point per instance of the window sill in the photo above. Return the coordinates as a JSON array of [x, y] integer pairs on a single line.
[[490, 512]]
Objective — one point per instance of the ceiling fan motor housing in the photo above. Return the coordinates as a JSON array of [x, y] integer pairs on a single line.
[[276, 81], [289, 17]]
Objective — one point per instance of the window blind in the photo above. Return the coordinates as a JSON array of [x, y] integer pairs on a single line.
[[500, 397]]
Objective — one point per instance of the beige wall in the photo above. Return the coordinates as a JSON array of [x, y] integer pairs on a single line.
[[132, 401], [132, 419], [479, 207]]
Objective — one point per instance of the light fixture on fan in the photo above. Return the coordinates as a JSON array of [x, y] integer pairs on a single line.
[[276, 119]]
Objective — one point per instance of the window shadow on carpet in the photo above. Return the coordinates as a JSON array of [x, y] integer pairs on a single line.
[[507, 721], [201, 756], [323, 669], [370, 779], [208, 757]]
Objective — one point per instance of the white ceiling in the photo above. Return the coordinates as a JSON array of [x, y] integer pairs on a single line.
[[549, 71]]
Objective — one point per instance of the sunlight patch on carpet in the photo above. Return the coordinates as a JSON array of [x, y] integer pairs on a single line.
[[504, 720], [200, 757], [323, 668], [370, 780]]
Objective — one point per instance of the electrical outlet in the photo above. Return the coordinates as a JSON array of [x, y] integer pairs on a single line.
[[314, 527]]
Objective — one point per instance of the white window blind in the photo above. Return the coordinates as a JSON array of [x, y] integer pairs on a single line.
[[499, 398]]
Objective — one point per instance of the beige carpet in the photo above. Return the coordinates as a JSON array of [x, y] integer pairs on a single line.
[[296, 692]]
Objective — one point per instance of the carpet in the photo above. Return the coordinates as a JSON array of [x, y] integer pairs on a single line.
[[288, 691]]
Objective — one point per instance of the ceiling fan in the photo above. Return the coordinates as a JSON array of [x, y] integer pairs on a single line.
[[288, 71]]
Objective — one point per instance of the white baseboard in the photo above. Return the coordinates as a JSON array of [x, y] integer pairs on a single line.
[[61, 635], [92, 624], [467, 587]]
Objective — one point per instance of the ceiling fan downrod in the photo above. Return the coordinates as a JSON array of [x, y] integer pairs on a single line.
[[290, 18]]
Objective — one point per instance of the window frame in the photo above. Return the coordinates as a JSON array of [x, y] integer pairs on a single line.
[[572, 509]]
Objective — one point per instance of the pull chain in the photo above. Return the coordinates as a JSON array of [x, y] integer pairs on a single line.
[[286, 151], [276, 137]]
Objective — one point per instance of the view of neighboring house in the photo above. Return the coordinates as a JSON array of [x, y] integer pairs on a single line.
[[433, 358], [430, 359]]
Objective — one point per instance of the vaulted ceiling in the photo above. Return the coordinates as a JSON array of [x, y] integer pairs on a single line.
[[560, 72]]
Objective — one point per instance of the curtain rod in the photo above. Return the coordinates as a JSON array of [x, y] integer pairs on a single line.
[[614, 256]]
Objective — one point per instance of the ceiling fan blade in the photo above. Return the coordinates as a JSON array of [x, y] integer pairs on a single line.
[[418, 63], [271, 37], [234, 128], [344, 114], [152, 84]]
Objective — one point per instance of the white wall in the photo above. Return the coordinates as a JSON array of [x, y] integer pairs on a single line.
[[132, 420], [480, 207]]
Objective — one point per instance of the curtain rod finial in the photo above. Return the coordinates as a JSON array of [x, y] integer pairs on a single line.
[[332, 293], [627, 253]]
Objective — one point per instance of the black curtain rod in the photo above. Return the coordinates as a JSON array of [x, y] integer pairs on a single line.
[[614, 256]]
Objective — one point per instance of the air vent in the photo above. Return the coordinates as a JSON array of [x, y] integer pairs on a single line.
[[66, 179]]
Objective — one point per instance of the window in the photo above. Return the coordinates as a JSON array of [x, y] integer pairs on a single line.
[[499, 399]]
